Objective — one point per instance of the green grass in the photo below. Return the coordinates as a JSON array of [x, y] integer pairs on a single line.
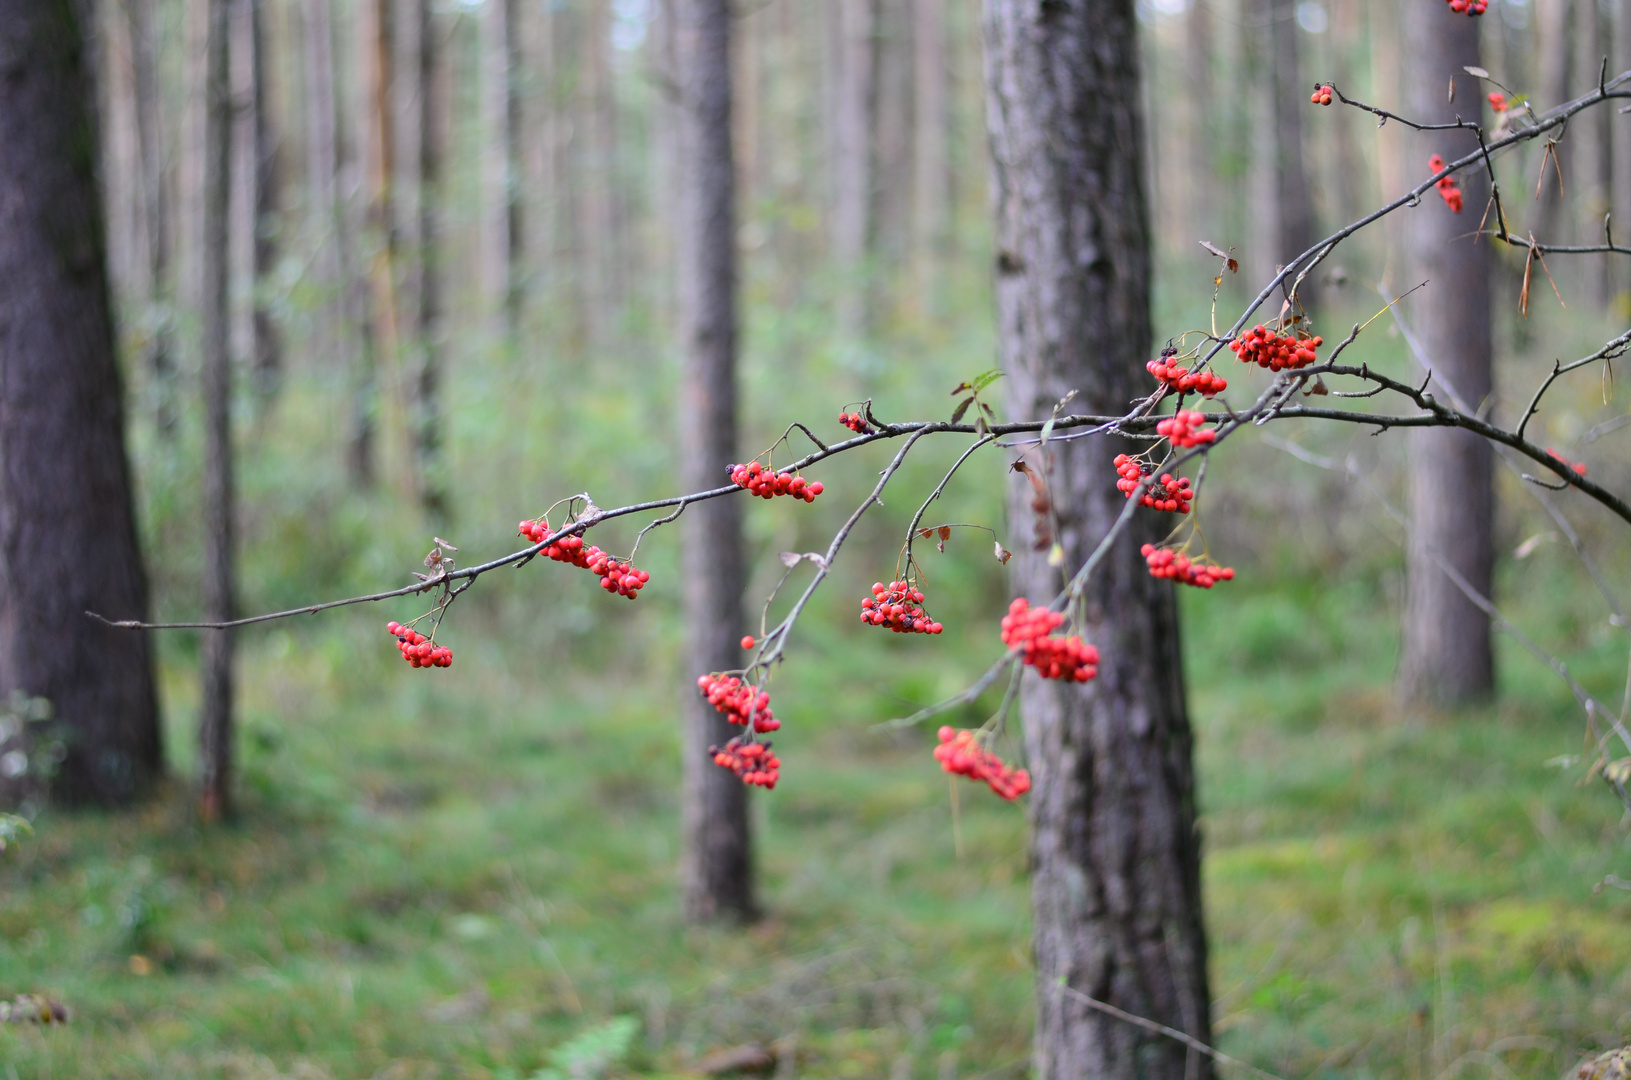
[[452, 873]]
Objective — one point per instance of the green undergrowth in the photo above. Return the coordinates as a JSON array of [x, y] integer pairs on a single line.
[[470, 873]]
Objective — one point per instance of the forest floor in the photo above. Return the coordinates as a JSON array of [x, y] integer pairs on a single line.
[[453, 874]]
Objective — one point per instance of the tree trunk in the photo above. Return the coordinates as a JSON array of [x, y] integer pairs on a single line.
[[1446, 655], [931, 180], [215, 700], [716, 870], [1289, 215], [1115, 853], [855, 89], [515, 239], [376, 54], [427, 397], [67, 528], [160, 360], [357, 323], [1622, 134], [1554, 38], [320, 172], [266, 360]]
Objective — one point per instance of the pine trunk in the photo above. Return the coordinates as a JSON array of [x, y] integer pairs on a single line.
[[67, 528], [267, 354], [1115, 852], [1446, 654], [931, 179], [716, 872], [160, 360], [427, 398], [215, 702], [854, 112]]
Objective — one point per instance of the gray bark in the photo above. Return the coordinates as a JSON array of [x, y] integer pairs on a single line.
[[1115, 852], [427, 398], [1446, 654], [931, 179], [67, 528], [716, 870], [216, 697], [853, 116], [267, 352], [160, 359], [1287, 219], [1554, 38]]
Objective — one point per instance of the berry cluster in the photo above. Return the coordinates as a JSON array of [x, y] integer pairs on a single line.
[[1168, 564], [768, 483], [1446, 185], [741, 702], [961, 755], [754, 762], [1183, 429], [1321, 95], [1265, 348], [619, 577], [1167, 493], [1468, 7], [856, 423], [1069, 658], [417, 649], [1167, 372], [1579, 467], [895, 606], [1497, 101]]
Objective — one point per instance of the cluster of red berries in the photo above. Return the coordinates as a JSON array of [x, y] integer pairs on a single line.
[[961, 755], [1183, 429], [1468, 7], [1497, 101], [741, 702], [1168, 564], [895, 606], [1167, 372], [1028, 628], [754, 762], [619, 577], [1265, 348], [856, 423], [1167, 493], [1446, 185], [768, 483], [1579, 467], [1321, 94], [417, 649]]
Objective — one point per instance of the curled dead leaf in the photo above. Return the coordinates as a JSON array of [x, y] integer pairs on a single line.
[[1003, 554]]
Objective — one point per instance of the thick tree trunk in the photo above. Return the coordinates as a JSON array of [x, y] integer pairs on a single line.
[[426, 424], [1115, 853], [716, 870], [357, 317], [67, 528], [1446, 654], [215, 701], [266, 360], [160, 360]]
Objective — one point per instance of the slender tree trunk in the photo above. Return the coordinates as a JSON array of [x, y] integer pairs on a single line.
[[215, 701], [1592, 180], [1554, 38], [1446, 654], [67, 528], [1280, 149], [381, 232], [427, 398], [266, 358], [160, 359], [321, 197], [515, 237], [1115, 852], [1622, 137], [357, 322], [716, 870], [856, 90], [931, 180]]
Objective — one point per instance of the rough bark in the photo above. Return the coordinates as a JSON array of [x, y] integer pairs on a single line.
[[1115, 853], [160, 360], [357, 317], [1446, 654], [215, 701], [716, 870], [426, 423], [67, 528]]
